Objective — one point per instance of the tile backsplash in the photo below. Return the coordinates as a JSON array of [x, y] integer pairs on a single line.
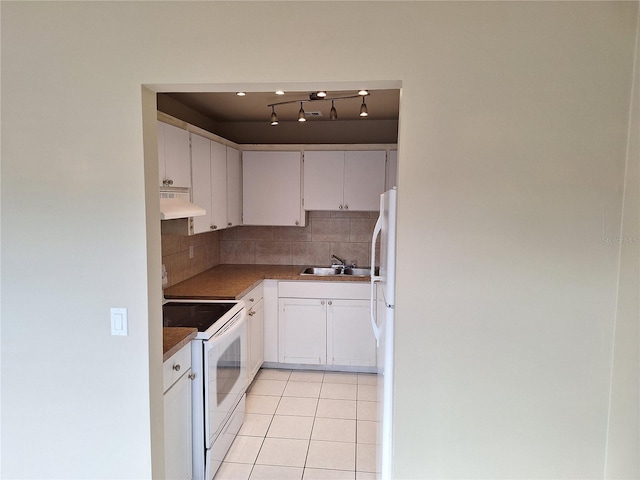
[[344, 234], [176, 252]]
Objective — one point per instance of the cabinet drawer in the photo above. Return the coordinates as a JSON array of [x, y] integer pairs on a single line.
[[176, 366], [253, 297], [336, 290]]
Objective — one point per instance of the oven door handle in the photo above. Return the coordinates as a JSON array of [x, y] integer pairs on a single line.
[[230, 328]]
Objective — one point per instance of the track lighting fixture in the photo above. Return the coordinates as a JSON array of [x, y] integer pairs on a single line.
[[363, 109], [320, 95], [333, 113]]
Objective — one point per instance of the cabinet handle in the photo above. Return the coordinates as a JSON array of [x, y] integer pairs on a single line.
[[176, 367], [214, 227], [229, 224], [192, 376], [340, 207], [251, 313], [330, 302], [346, 207], [297, 222], [321, 302]]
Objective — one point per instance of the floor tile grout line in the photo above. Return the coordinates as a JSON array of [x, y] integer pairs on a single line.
[[315, 416]]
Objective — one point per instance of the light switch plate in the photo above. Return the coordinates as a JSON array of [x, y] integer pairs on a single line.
[[119, 324]]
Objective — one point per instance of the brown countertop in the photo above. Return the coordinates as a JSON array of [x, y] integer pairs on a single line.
[[232, 282], [174, 338]]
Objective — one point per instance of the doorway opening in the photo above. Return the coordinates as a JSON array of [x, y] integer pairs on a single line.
[[217, 112]]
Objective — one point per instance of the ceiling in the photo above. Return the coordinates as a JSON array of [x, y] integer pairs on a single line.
[[246, 119]]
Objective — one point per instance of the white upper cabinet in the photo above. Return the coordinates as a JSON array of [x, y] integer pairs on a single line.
[[271, 188], [344, 180], [173, 156], [201, 167], [364, 173], [234, 187], [324, 180], [217, 184]]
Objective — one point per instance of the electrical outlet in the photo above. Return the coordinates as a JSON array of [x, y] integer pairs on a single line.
[[191, 251], [165, 276]]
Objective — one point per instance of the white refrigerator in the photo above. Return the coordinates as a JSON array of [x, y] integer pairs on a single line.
[[382, 322]]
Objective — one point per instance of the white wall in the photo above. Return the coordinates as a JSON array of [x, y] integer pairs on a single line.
[[513, 131], [623, 446]]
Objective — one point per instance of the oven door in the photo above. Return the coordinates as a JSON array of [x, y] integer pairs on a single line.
[[225, 357]]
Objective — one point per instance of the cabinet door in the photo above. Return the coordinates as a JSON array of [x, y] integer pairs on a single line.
[[177, 430], [350, 339], [176, 156], [201, 190], [218, 186], [234, 188], [271, 190], [364, 173], [256, 339], [162, 163], [323, 180], [270, 288], [302, 331]]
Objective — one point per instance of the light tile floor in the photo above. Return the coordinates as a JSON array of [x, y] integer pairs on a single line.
[[306, 425]]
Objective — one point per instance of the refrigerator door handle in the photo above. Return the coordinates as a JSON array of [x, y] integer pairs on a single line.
[[375, 279]]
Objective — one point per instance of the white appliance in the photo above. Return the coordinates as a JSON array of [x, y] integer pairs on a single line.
[[175, 202], [219, 362], [382, 322]]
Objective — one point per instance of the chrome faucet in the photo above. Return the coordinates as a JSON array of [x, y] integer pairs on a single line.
[[341, 263]]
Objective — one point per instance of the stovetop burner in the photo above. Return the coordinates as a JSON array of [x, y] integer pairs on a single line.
[[193, 314]]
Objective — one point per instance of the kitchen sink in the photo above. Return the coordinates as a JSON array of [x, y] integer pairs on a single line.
[[341, 272], [321, 271], [359, 272]]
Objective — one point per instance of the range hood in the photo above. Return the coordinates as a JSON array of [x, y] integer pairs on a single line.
[[175, 203]]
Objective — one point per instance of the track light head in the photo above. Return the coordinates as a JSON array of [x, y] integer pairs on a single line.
[[333, 113], [363, 109], [301, 117], [274, 116]]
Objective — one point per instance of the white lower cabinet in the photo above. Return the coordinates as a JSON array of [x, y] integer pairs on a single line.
[[254, 303], [270, 302], [350, 339], [177, 415], [302, 331], [325, 323]]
